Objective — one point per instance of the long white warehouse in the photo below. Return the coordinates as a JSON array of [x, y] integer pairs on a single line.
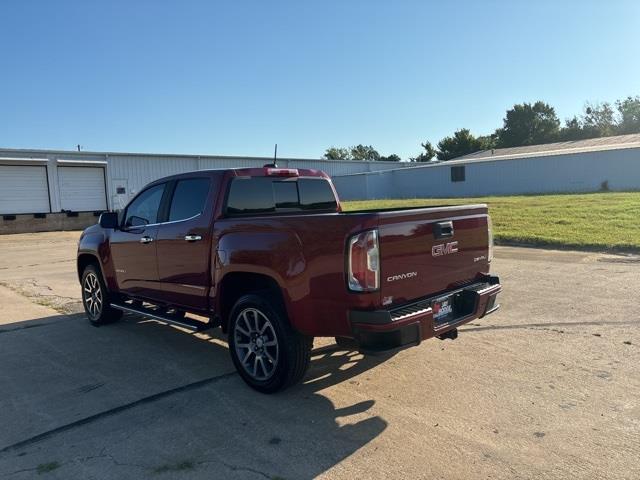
[[42, 182], [609, 163]]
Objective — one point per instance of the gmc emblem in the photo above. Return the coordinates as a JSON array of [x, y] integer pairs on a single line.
[[444, 249]]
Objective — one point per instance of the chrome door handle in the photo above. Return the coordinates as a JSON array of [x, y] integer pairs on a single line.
[[146, 239], [192, 238]]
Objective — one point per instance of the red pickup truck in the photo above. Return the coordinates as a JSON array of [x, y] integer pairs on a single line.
[[268, 255]]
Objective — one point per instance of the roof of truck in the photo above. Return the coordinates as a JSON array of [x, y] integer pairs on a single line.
[[265, 171]]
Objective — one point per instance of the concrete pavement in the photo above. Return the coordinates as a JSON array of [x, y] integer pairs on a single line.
[[546, 388]]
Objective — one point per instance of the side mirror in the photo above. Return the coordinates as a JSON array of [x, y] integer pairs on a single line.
[[135, 222], [108, 220]]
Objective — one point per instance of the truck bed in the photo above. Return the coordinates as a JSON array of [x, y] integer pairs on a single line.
[[311, 249]]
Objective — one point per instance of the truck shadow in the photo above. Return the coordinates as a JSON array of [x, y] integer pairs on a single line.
[[74, 394]]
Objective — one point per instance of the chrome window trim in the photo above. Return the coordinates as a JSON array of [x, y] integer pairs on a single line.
[[164, 223]]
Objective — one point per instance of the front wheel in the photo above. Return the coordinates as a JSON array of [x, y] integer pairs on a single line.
[[95, 298], [268, 354]]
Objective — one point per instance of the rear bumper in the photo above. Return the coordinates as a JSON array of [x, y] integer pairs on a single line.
[[409, 324]]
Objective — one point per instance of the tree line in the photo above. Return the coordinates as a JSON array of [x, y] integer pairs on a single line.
[[524, 124]]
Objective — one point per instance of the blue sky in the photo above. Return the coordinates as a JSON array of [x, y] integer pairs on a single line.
[[236, 77]]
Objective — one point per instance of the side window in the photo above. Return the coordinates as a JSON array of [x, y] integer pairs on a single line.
[[189, 198], [457, 174], [144, 209]]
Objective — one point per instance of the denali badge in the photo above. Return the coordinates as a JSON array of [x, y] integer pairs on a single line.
[[444, 249], [402, 276]]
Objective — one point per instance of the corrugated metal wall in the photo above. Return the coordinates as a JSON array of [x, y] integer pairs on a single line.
[[581, 172], [137, 170], [140, 170]]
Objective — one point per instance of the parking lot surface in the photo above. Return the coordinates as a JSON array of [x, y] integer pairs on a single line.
[[548, 387]]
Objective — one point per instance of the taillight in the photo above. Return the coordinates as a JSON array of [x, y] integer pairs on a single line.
[[364, 262], [490, 231]]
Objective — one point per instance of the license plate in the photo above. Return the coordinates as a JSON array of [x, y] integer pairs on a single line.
[[442, 309]]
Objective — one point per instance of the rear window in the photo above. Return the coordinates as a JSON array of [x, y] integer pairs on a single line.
[[257, 195]]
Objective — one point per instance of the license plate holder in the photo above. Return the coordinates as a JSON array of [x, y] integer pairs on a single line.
[[443, 309]]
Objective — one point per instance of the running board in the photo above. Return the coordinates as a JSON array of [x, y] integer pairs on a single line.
[[193, 325]]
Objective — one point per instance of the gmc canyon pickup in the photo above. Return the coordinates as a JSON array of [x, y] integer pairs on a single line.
[[268, 255]]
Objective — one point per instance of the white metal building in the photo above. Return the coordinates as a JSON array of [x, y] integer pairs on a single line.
[[47, 181], [611, 163]]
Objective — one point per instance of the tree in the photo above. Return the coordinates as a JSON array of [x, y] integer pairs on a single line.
[[528, 124], [335, 153], [629, 115], [488, 141], [427, 155], [390, 158], [574, 130], [361, 152], [598, 120], [461, 143], [601, 120]]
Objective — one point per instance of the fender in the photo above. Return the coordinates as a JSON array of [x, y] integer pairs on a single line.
[[274, 253], [95, 242]]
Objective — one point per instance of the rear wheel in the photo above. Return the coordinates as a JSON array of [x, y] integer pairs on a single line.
[[96, 298], [268, 354]]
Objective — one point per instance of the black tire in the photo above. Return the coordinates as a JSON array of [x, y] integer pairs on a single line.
[[96, 298], [265, 366]]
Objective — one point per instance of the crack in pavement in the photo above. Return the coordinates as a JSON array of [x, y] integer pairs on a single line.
[[59, 303], [235, 468], [114, 411], [82, 460], [36, 264], [34, 325], [22, 471], [102, 455]]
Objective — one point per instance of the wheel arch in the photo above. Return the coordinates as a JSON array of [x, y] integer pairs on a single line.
[[237, 284], [85, 259]]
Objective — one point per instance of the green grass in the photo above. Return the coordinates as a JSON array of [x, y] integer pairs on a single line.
[[47, 467], [175, 467], [594, 221]]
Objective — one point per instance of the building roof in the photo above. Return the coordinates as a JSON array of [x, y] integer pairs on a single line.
[[558, 148], [88, 153]]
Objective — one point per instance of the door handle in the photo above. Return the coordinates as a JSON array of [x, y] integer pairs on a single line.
[[443, 230], [193, 238], [146, 239]]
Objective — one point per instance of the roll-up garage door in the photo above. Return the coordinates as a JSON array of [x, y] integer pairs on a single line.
[[82, 189], [23, 189]]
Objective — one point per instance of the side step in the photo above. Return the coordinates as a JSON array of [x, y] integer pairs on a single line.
[[193, 325]]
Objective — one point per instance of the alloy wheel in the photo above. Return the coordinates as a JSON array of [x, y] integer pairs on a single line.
[[256, 344], [92, 295]]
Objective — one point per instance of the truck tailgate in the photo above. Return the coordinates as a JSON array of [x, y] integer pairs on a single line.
[[426, 251]]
